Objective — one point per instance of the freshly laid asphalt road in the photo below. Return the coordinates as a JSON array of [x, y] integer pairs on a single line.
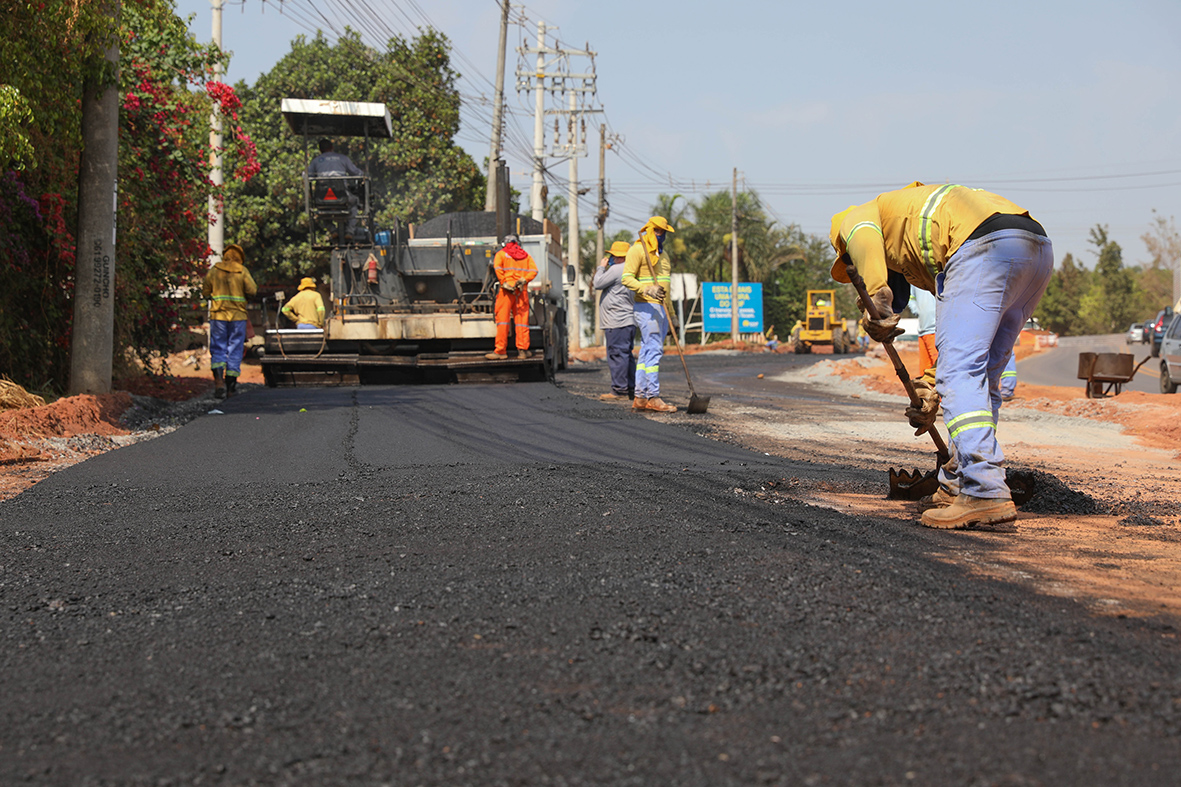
[[511, 585]]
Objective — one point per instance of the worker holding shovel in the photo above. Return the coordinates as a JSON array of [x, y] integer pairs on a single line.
[[988, 262], [647, 272]]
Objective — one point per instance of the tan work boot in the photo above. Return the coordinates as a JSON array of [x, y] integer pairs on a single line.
[[496, 356], [659, 406], [612, 397], [639, 403], [967, 510], [940, 498], [524, 354]]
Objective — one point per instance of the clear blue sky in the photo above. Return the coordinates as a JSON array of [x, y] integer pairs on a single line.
[[1072, 110]]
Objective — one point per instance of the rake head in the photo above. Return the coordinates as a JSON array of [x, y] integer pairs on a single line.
[[912, 484]]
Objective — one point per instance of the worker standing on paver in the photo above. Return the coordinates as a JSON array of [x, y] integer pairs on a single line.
[[227, 286], [647, 272], [989, 263], [514, 270], [306, 309], [618, 321]]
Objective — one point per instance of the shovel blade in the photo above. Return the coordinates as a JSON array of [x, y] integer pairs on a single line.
[[912, 484], [698, 404]]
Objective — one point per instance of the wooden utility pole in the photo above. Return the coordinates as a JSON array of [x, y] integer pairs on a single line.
[[93, 340], [600, 220], [490, 196], [734, 258]]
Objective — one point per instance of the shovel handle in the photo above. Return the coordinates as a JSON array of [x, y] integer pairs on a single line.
[[899, 367]]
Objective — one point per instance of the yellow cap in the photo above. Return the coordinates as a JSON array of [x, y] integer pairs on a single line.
[[839, 271], [619, 248], [307, 283], [659, 223]]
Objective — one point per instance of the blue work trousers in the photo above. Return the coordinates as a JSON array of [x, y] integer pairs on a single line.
[[620, 360], [987, 291], [653, 325], [1009, 377], [227, 338]]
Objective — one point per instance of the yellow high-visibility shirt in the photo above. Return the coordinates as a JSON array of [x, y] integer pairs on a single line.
[[637, 274], [914, 231], [306, 308]]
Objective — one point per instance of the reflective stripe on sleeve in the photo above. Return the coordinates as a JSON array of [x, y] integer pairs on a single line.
[[860, 225]]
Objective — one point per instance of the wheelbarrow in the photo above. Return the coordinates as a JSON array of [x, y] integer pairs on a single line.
[[1107, 373]]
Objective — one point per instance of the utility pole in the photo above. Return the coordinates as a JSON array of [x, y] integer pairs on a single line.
[[535, 201], [217, 227], [490, 196], [734, 258], [93, 341], [600, 220], [564, 80], [575, 243]]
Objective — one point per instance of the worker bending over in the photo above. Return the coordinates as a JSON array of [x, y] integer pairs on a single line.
[[514, 270], [647, 272], [988, 262], [306, 309]]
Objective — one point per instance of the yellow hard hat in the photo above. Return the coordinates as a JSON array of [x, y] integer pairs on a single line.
[[619, 248], [307, 283]]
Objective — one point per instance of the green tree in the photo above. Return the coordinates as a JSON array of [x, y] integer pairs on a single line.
[[48, 47], [418, 174], [1059, 308], [1112, 300]]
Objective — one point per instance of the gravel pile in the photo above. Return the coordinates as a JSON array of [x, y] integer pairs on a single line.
[[1052, 496]]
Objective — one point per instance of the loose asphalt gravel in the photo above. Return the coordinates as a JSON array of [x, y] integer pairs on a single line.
[[512, 585]]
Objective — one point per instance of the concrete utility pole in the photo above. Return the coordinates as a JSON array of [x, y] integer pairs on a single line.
[[535, 201], [561, 79], [490, 196], [575, 243], [92, 346], [217, 227], [600, 220], [734, 258]]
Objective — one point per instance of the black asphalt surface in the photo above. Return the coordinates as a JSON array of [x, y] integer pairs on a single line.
[[513, 585]]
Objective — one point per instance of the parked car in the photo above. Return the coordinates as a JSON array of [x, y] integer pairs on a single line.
[[1135, 334], [1157, 326], [1170, 357]]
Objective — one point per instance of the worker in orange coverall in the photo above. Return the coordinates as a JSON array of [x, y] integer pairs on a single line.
[[514, 270]]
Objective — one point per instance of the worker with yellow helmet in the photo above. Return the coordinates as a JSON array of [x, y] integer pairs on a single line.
[[988, 262]]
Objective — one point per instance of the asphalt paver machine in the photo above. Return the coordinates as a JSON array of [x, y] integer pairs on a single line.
[[410, 303]]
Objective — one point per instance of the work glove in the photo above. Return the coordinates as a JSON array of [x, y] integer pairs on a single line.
[[509, 286], [885, 328], [654, 291], [922, 418]]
